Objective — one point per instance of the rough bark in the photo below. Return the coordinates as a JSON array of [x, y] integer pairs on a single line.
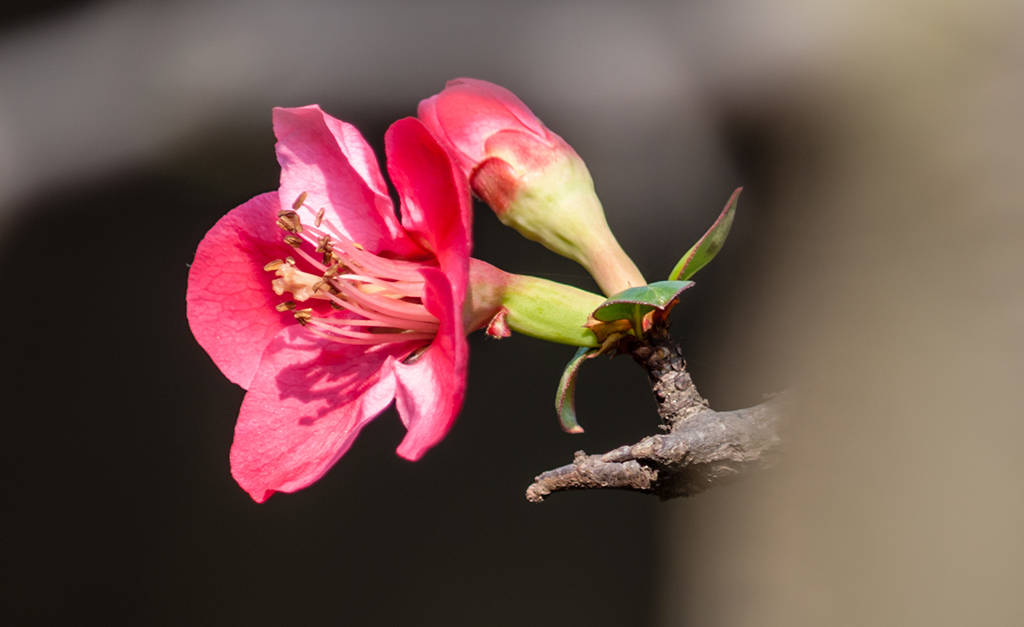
[[702, 448]]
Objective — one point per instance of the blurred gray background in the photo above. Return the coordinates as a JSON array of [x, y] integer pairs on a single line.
[[876, 262]]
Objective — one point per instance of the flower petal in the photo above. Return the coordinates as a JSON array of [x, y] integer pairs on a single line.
[[229, 300], [307, 403], [511, 102], [430, 392], [468, 111], [436, 206], [329, 161]]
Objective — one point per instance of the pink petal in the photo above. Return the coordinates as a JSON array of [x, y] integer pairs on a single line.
[[510, 101], [307, 403], [359, 154], [469, 111], [329, 161], [528, 152], [436, 206], [430, 392], [426, 112], [230, 302]]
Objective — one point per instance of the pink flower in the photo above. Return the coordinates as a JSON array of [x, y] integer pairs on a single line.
[[532, 179], [325, 307]]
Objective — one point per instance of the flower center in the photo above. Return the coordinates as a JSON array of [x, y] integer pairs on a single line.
[[373, 299]]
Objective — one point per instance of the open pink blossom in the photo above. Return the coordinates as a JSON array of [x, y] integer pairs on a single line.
[[325, 306]]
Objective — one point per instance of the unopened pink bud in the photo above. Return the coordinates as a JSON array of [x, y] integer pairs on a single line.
[[532, 179], [469, 112]]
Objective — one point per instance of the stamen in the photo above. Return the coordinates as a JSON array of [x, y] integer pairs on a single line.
[[381, 297], [398, 289], [379, 266], [289, 221], [324, 245], [389, 306], [355, 255], [375, 315], [382, 322], [320, 267], [371, 338]]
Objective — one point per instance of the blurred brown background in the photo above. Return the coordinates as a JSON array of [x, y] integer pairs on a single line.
[[876, 263]]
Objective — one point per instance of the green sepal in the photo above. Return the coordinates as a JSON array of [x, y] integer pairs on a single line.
[[707, 246], [565, 401], [636, 302]]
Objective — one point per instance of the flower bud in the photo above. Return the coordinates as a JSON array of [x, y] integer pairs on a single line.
[[532, 179]]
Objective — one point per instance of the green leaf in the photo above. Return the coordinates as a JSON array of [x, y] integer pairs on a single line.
[[707, 246], [565, 401], [634, 303]]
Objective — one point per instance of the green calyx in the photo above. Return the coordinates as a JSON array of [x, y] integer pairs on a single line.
[[549, 311]]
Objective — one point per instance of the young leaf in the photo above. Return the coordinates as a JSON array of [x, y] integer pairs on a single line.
[[707, 246], [565, 401], [646, 297], [636, 302]]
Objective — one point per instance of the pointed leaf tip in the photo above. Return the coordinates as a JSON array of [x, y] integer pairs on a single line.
[[709, 244], [565, 401]]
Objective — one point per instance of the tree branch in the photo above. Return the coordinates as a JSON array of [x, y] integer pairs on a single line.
[[702, 449]]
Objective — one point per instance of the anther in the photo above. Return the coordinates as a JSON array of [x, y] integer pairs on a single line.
[[273, 265], [286, 306], [293, 240], [324, 245], [304, 316], [319, 217], [298, 201], [290, 260], [289, 221]]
